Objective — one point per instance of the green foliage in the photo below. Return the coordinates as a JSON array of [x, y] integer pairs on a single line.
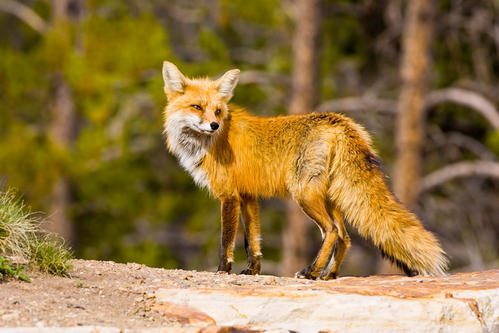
[[261, 12], [9, 270], [213, 46], [116, 85], [493, 142]]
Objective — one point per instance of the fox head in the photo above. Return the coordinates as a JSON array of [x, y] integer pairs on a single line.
[[198, 105]]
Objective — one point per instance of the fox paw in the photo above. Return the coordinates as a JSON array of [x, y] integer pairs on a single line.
[[253, 266], [252, 269], [328, 276], [249, 271], [224, 267], [305, 273]]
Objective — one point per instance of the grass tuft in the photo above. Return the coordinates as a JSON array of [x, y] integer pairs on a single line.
[[22, 240], [17, 226], [51, 255]]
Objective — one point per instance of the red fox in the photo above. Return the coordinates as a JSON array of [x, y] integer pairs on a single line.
[[323, 160]]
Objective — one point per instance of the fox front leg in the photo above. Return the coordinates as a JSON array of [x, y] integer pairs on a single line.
[[230, 219], [250, 212]]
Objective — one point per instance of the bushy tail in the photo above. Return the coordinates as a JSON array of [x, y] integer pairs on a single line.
[[359, 191]]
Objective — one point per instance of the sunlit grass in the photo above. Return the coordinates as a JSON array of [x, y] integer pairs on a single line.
[[17, 226], [23, 242], [50, 255]]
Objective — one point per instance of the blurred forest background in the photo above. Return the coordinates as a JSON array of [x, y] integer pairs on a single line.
[[81, 99]]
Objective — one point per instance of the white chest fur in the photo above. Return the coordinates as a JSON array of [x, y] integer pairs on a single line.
[[188, 145]]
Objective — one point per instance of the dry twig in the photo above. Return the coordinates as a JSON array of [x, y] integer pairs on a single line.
[[467, 98], [24, 13], [457, 170]]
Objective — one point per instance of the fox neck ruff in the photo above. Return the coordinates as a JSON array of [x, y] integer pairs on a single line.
[[189, 145]]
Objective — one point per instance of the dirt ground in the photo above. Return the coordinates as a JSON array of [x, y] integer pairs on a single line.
[[105, 293]]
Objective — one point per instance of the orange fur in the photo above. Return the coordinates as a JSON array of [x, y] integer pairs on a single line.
[[323, 160]]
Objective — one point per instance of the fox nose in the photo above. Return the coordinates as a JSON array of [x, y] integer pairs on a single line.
[[214, 125]]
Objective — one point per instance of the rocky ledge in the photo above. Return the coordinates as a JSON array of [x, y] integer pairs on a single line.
[[110, 297], [466, 302]]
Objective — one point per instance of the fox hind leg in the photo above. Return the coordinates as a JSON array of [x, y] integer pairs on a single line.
[[314, 206], [250, 212], [342, 246]]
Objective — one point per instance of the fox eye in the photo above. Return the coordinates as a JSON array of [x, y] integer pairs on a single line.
[[217, 112], [197, 107]]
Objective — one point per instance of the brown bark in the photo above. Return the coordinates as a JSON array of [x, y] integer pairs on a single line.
[[305, 92], [410, 122], [62, 134]]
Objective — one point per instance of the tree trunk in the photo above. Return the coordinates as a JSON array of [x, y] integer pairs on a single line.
[[410, 116], [62, 135], [410, 119], [63, 127], [305, 92]]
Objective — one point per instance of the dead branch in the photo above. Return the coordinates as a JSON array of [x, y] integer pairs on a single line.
[[466, 98], [460, 96], [458, 170], [474, 146], [361, 103], [487, 90], [25, 14]]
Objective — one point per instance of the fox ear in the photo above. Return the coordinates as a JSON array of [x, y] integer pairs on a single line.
[[175, 81], [227, 83]]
